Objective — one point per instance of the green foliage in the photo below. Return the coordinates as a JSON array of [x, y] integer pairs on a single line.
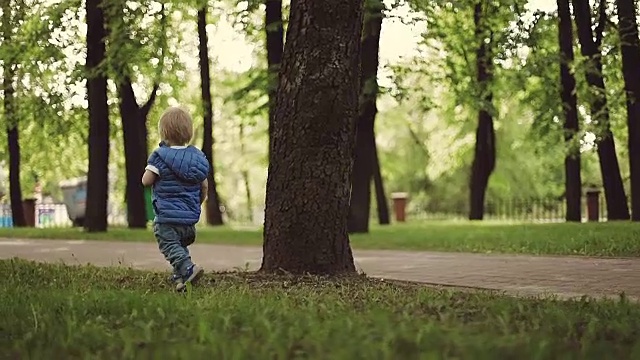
[[47, 103], [427, 118], [77, 311]]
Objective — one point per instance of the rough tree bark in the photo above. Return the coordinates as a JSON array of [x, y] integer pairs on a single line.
[[381, 197], [365, 148], [573, 181], [484, 160], [214, 215], [97, 181], [275, 43], [630, 48], [13, 141], [617, 207], [307, 200]]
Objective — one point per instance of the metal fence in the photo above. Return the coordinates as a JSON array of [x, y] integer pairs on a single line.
[[53, 215], [46, 216], [518, 210]]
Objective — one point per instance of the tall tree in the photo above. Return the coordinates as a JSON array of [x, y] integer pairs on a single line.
[[617, 207], [275, 43], [365, 149], [484, 160], [630, 48], [214, 215], [573, 182], [11, 118], [134, 129], [307, 200], [133, 115], [97, 182], [381, 197]]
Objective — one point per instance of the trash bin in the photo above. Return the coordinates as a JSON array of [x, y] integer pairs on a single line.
[[148, 204], [29, 209], [400, 205], [74, 193]]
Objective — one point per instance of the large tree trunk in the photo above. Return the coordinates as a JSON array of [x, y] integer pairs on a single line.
[[381, 197], [214, 215], [97, 182], [630, 47], [617, 207], [364, 155], [484, 160], [573, 182], [275, 43], [15, 190], [307, 200]]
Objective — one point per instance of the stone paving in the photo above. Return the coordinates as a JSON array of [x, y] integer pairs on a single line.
[[514, 274]]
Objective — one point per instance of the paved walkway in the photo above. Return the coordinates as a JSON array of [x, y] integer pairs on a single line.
[[515, 274]]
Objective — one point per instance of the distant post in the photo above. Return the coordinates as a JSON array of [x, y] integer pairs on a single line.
[[400, 205], [593, 204]]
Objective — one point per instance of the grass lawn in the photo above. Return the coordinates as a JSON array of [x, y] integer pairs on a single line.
[[109, 313], [597, 239]]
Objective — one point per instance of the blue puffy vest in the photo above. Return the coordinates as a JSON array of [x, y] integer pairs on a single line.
[[176, 192]]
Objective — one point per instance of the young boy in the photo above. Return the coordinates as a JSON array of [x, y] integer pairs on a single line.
[[178, 174]]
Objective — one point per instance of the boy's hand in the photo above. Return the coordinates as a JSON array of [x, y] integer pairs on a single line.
[[204, 190]]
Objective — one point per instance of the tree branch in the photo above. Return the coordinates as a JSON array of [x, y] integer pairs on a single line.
[[156, 84], [602, 22], [152, 98]]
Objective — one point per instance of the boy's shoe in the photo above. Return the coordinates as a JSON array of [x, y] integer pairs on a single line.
[[194, 272], [177, 279]]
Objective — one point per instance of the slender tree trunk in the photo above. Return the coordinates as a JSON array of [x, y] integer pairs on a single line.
[[134, 125], [364, 155], [617, 206], [630, 47], [573, 182], [484, 160], [307, 200], [381, 197], [275, 43], [15, 190], [214, 215], [97, 183], [245, 173], [135, 152]]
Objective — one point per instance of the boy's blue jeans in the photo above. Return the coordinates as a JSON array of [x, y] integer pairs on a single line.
[[173, 241]]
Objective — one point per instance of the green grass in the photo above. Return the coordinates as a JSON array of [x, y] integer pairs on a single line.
[[58, 311], [596, 239]]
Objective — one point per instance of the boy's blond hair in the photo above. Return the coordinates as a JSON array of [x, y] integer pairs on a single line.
[[175, 126]]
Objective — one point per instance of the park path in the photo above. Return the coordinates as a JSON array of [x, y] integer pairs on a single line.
[[514, 274]]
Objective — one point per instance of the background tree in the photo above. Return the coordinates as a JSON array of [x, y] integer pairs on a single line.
[[364, 163], [98, 141], [307, 200], [484, 159], [630, 49], [617, 206], [381, 196], [10, 18], [274, 30], [134, 116], [214, 216], [573, 181]]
